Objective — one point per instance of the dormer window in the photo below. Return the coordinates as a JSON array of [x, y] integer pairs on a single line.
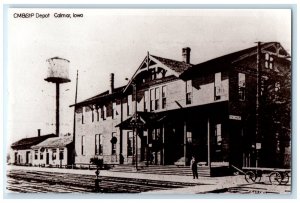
[[269, 61], [153, 74]]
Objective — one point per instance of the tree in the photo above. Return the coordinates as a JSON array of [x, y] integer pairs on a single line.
[[276, 119]]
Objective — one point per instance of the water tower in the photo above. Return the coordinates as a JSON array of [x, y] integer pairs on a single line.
[[58, 72]]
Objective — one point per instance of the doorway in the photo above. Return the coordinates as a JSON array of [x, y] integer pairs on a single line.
[[47, 158], [27, 157]]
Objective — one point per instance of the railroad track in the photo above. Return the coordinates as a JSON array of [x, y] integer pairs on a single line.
[[41, 182]]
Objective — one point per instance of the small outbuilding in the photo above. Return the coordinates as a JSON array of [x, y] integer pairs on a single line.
[[55, 151], [22, 153]]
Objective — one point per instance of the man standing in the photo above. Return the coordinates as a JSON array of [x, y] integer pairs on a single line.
[[194, 167]]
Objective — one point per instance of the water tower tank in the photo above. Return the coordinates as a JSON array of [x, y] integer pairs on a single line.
[[58, 70]]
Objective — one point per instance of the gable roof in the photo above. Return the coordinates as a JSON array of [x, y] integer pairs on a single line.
[[229, 59], [177, 66], [54, 142], [27, 143], [143, 118]]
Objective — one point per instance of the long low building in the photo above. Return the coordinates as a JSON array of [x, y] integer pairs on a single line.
[[54, 151], [231, 110], [22, 154]]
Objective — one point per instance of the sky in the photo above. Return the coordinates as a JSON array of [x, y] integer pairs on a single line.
[[115, 41]]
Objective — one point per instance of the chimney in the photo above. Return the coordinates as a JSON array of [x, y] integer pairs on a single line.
[[186, 52], [112, 82], [39, 132]]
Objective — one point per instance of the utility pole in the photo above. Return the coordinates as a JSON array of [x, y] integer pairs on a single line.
[[135, 128], [74, 119], [258, 100]]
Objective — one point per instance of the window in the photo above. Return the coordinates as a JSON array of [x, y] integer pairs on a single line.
[[53, 154], [269, 61], [242, 86], [152, 97], [129, 143], [153, 132], [218, 87], [98, 144], [41, 154], [145, 100], [129, 105], [97, 112], [153, 74], [218, 134], [61, 154], [82, 145], [92, 115], [82, 116], [164, 97], [114, 110], [103, 112], [188, 88], [113, 143], [189, 137], [160, 73], [157, 98], [36, 153], [156, 134]]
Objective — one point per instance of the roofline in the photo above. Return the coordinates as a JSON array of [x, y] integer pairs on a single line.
[[100, 97], [264, 45], [132, 78]]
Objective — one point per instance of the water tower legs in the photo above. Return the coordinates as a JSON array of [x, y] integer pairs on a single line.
[[57, 109]]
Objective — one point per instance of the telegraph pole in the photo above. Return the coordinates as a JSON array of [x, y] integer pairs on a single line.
[[74, 119], [135, 128], [258, 99]]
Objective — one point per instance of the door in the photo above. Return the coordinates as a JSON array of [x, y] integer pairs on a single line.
[[16, 157], [27, 157], [236, 146], [47, 158]]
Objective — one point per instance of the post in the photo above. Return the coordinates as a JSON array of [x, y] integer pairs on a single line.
[[135, 142], [74, 119], [148, 149], [121, 135], [184, 143], [258, 96], [163, 145], [57, 109], [208, 145], [97, 180]]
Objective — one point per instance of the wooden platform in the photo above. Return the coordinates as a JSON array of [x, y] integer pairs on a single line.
[[203, 171]]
